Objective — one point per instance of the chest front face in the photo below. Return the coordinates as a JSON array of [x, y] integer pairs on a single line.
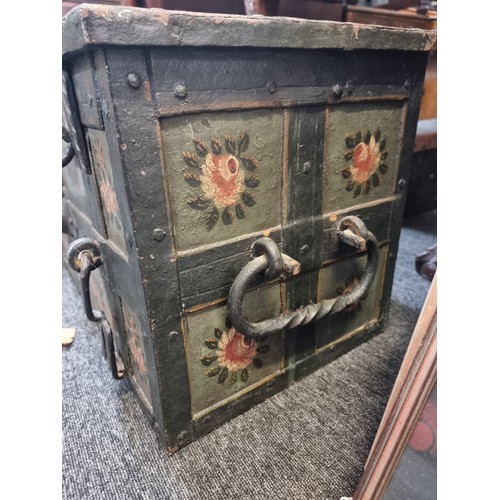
[[266, 143], [196, 153]]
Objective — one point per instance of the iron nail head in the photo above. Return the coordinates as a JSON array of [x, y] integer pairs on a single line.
[[180, 90], [172, 336], [271, 87], [306, 168], [134, 80], [158, 234], [337, 90]]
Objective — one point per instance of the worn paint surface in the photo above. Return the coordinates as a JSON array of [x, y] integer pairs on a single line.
[[221, 362], [223, 174], [362, 153], [337, 279], [101, 166], [137, 359]]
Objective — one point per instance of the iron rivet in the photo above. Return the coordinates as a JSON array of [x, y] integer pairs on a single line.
[[349, 87], [391, 256], [182, 436], [337, 91], [304, 249], [306, 167], [180, 89], [158, 234], [271, 87], [206, 420], [172, 336], [408, 83], [134, 80], [270, 383], [401, 183]]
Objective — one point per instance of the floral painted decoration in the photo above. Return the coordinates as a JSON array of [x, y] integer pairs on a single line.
[[231, 355], [367, 157], [221, 179]]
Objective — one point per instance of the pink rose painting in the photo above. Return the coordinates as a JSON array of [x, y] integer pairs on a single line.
[[367, 157], [232, 355], [222, 177]]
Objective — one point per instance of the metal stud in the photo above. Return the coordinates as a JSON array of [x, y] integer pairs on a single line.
[[180, 90], [271, 87], [134, 80]]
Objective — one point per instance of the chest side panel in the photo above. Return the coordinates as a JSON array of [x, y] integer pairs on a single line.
[[280, 153]]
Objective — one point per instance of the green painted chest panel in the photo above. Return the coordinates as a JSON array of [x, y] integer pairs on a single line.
[[244, 191]]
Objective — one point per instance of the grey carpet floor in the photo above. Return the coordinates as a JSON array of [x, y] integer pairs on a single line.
[[309, 442]]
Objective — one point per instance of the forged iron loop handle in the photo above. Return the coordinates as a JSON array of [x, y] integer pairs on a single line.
[[352, 231], [84, 255]]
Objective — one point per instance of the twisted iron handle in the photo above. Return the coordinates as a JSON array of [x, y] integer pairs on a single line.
[[268, 259]]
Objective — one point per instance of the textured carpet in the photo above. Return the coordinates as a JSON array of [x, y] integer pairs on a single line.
[[308, 442]]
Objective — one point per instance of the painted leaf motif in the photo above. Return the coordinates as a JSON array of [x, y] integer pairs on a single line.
[[383, 156], [192, 180], [263, 349], [382, 144], [358, 137], [375, 180], [240, 212], [368, 136], [348, 154], [201, 147], [346, 173], [208, 359], [350, 142], [262, 338], [230, 144], [377, 134], [212, 218], [216, 147], [218, 333], [350, 186], [223, 375], [247, 200], [227, 216], [213, 372], [211, 343], [233, 378], [357, 191], [258, 362], [244, 375], [243, 142], [367, 186], [249, 163], [198, 203], [190, 159], [383, 168], [228, 322], [252, 182]]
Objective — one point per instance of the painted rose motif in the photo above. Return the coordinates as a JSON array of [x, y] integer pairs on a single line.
[[366, 156], [221, 177], [232, 354], [135, 350], [108, 197], [235, 350]]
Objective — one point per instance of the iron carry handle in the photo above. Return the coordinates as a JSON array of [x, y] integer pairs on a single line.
[[268, 259], [84, 255]]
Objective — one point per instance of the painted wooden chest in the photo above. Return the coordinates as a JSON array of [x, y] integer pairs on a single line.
[[232, 197]]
